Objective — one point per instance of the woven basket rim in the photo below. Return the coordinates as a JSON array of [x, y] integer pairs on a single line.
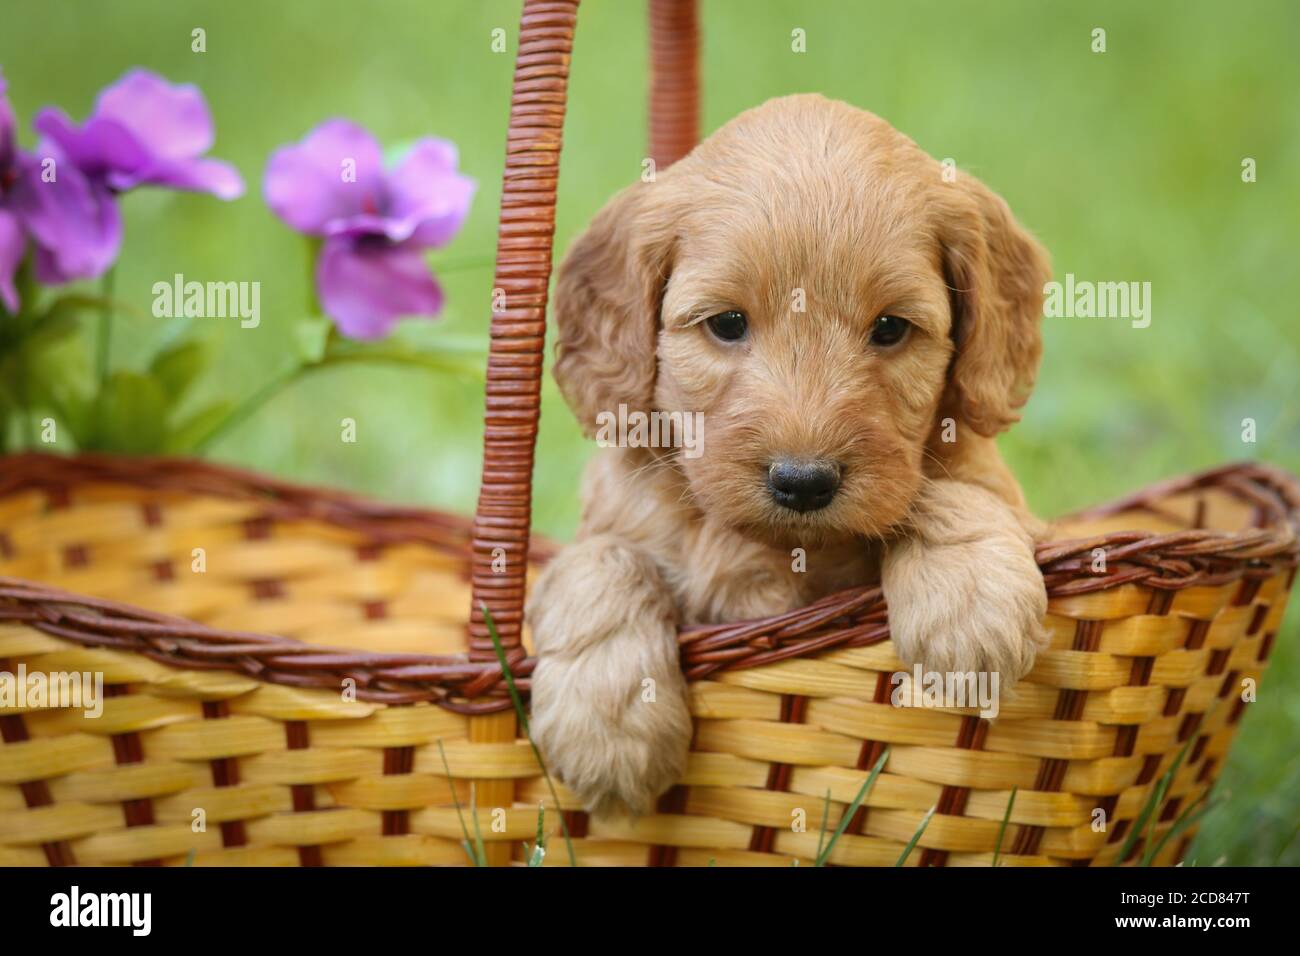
[[853, 618]]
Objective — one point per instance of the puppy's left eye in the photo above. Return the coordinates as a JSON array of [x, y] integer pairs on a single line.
[[889, 330], [729, 326]]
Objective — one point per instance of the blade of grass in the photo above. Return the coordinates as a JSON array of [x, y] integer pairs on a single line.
[[1153, 801], [1002, 830], [1185, 820], [824, 855], [826, 822], [478, 833], [465, 843], [538, 852], [523, 722], [925, 822], [1277, 860]]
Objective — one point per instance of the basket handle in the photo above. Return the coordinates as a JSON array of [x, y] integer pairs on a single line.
[[499, 542], [674, 80]]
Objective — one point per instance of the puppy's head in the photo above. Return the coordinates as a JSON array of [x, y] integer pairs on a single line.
[[810, 281]]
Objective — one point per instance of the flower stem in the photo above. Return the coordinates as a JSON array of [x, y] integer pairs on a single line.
[[244, 410], [454, 362], [104, 343], [25, 406], [313, 294], [464, 264]]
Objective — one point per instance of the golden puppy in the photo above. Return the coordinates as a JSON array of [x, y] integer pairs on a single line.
[[854, 328]]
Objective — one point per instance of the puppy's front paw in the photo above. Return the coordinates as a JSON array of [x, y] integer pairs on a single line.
[[609, 704], [609, 743], [970, 607]]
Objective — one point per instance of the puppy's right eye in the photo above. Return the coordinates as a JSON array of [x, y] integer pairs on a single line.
[[729, 326]]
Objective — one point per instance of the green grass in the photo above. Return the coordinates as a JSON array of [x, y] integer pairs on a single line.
[[1002, 830], [472, 850], [916, 837], [522, 715], [824, 847], [1126, 164], [1144, 826]]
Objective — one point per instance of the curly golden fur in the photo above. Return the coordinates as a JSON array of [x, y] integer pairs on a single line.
[[812, 218]]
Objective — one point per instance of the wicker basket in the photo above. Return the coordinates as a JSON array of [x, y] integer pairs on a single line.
[[221, 744]]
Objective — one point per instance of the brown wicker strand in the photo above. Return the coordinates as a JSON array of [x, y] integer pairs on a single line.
[[499, 541]]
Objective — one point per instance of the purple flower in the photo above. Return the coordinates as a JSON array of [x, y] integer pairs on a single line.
[[13, 243], [144, 131], [63, 196], [375, 222], [73, 220]]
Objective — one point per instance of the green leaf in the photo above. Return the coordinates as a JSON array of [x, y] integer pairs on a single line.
[[53, 367], [131, 415], [53, 328], [72, 413], [90, 302], [312, 336], [187, 435], [177, 368], [61, 396]]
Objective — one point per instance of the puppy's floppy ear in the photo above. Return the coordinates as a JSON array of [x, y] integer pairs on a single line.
[[607, 301], [996, 272]]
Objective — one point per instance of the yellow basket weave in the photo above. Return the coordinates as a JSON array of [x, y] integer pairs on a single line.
[[297, 686], [1148, 655]]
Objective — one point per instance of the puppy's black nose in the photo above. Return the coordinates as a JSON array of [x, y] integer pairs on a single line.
[[802, 485]]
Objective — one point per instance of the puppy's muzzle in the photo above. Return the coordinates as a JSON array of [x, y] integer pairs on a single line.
[[802, 485]]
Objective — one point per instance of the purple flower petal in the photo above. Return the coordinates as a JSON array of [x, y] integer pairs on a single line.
[[428, 199], [196, 175], [144, 131], [48, 270], [335, 173], [362, 224], [12, 246], [97, 148], [168, 121], [366, 287], [73, 220]]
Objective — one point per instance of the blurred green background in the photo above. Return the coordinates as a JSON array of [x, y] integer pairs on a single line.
[[1127, 164]]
